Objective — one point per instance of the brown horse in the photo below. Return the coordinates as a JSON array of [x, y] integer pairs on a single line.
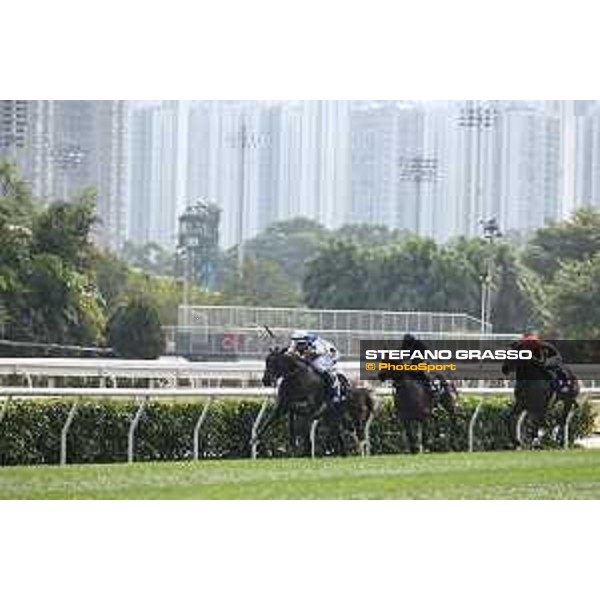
[[302, 396], [414, 401], [535, 391]]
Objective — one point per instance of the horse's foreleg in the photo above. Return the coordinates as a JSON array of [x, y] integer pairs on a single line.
[[448, 403], [336, 431], [339, 436], [357, 428], [513, 423], [413, 442], [361, 434]]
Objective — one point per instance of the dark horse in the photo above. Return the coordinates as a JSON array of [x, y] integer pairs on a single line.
[[535, 391], [302, 396], [414, 401]]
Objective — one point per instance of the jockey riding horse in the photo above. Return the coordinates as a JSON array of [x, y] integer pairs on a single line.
[[539, 382]]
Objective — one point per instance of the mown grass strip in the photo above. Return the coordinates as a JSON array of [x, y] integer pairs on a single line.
[[491, 475]]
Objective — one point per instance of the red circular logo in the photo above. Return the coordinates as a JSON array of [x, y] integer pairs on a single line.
[[229, 342]]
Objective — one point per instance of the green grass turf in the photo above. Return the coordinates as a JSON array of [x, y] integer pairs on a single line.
[[491, 475]]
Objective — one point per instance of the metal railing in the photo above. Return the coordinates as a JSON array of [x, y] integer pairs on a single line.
[[326, 320], [162, 373], [210, 394], [217, 341]]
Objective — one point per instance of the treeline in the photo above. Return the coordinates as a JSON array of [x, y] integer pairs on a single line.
[[549, 278], [57, 287]]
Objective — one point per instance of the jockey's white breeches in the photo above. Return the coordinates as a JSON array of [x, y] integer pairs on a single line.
[[325, 362]]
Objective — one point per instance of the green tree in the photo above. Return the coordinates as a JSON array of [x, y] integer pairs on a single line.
[[62, 303], [412, 274], [17, 205], [575, 239], [289, 244], [135, 330], [338, 277], [64, 230], [150, 257], [111, 276], [15, 258], [17, 213], [517, 295], [573, 307], [166, 294], [513, 304], [262, 283], [367, 235], [46, 286]]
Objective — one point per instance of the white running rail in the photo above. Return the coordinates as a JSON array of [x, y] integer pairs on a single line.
[[144, 395]]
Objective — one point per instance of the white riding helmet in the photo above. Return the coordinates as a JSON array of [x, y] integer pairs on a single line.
[[300, 334]]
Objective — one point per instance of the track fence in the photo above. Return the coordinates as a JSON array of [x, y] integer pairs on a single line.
[[144, 395]]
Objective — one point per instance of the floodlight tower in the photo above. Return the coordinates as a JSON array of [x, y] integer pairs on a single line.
[[491, 232], [419, 169]]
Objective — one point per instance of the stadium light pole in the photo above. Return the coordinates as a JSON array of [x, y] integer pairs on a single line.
[[418, 169], [478, 117], [491, 232], [244, 141]]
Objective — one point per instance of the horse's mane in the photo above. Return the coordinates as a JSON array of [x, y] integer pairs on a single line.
[[282, 354]]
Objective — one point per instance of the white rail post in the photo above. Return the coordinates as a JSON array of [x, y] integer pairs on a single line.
[[520, 420], [255, 425], [4, 408], [366, 451], [313, 438], [198, 425], [65, 432], [472, 423], [568, 424], [133, 427]]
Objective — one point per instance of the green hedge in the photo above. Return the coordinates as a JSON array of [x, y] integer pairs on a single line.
[[30, 431]]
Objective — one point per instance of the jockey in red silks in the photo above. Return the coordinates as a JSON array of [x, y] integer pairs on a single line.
[[530, 340], [548, 356]]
